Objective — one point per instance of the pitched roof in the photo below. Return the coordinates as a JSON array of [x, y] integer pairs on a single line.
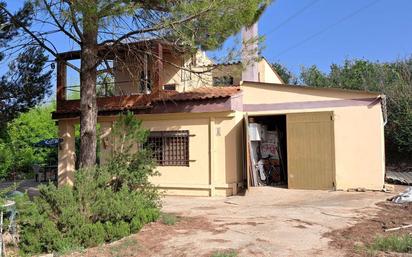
[[142, 102], [200, 93]]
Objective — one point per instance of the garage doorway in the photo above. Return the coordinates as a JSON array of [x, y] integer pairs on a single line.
[[291, 150], [267, 151]]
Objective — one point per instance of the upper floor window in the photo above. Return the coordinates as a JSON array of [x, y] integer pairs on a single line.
[[223, 81], [169, 148], [169, 87]]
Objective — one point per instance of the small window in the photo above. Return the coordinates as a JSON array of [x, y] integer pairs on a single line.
[[170, 148], [170, 87], [223, 81]]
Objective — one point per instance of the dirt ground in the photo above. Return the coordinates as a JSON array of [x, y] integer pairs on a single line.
[[265, 222], [390, 215]]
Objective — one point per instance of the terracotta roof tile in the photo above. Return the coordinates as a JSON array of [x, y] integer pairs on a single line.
[[135, 102], [199, 94]]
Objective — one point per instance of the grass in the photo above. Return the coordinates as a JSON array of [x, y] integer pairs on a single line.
[[393, 243], [124, 246], [168, 219], [224, 254]]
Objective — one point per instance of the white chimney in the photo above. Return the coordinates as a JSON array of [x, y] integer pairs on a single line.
[[250, 53]]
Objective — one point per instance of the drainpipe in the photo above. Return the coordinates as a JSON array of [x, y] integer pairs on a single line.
[[384, 109]]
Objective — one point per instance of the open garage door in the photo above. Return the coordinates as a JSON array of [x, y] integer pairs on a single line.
[[310, 150]]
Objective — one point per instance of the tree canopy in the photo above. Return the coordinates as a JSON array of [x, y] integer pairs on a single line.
[[26, 82], [17, 151]]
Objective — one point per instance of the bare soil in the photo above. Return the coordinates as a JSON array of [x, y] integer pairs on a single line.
[[263, 223], [364, 232], [149, 240]]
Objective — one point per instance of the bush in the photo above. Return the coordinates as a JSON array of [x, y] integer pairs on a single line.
[[105, 203]]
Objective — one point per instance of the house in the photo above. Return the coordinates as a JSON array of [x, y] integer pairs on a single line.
[[330, 138]]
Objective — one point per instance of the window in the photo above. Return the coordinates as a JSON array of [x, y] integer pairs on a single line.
[[169, 87], [223, 81], [170, 148]]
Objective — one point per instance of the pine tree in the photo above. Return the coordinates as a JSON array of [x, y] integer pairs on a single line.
[[25, 84], [89, 24]]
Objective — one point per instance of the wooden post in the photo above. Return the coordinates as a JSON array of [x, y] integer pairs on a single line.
[[158, 83], [61, 81]]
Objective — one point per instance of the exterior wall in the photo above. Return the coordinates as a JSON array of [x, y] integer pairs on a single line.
[[229, 153], [129, 74], [276, 93], [212, 132], [213, 167], [359, 147], [267, 74], [358, 130], [197, 174]]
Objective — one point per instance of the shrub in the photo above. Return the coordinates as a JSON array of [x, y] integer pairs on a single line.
[[105, 203]]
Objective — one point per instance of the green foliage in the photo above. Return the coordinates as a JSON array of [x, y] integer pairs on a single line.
[[24, 85], [393, 243], [106, 202], [216, 20], [286, 75], [168, 218], [224, 254], [17, 151]]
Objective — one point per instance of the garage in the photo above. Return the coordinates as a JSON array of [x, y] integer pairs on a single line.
[[326, 139], [292, 150]]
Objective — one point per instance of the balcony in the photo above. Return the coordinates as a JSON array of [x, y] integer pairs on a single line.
[[127, 76]]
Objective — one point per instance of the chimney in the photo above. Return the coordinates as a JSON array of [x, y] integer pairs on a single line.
[[250, 53]]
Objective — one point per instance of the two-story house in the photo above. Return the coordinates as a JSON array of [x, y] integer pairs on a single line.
[[199, 112]]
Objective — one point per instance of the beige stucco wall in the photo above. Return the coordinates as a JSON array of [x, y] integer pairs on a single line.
[[276, 93], [128, 73], [211, 133], [359, 147], [267, 74], [214, 152]]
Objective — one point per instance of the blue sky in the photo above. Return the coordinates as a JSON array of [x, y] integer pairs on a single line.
[[370, 29], [306, 32]]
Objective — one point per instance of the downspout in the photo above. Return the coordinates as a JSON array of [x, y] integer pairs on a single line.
[[384, 109]]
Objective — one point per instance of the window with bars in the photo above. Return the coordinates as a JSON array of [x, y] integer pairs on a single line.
[[169, 148]]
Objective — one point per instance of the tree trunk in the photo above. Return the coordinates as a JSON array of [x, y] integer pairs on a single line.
[[88, 105]]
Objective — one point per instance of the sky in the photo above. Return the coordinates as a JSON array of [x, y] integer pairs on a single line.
[[321, 32]]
